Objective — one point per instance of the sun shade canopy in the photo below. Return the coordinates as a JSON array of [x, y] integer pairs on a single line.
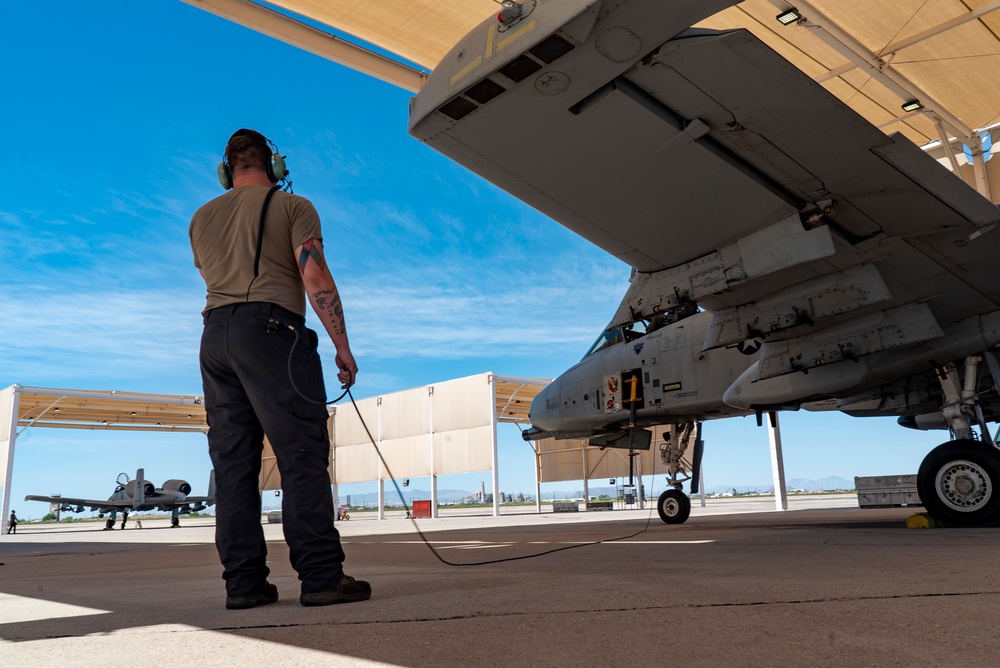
[[109, 410]]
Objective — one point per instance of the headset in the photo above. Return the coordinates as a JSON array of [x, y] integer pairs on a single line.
[[275, 167]]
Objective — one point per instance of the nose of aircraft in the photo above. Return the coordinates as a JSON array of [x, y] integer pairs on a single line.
[[540, 416]]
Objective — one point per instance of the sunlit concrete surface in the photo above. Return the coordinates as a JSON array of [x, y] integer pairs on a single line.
[[823, 584], [191, 645], [26, 609]]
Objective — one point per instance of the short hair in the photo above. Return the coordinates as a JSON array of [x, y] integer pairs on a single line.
[[248, 149]]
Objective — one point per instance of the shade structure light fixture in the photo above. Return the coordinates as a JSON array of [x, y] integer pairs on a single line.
[[912, 105], [789, 16]]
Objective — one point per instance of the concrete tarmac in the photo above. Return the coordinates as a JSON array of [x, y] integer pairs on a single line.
[[822, 584]]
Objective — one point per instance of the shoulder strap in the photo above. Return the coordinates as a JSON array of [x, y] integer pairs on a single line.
[[260, 232]]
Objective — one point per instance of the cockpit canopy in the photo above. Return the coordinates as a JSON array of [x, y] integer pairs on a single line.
[[630, 331], [615, 335]]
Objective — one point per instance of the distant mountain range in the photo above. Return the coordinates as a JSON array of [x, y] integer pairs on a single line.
[[829, 484], [409, 495]]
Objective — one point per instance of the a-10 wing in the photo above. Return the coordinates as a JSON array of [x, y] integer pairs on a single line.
[[880, 240], [728, 178], [92, 504], [882, 200]]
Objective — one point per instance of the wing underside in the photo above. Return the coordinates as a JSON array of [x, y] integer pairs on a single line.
[[93, 504]]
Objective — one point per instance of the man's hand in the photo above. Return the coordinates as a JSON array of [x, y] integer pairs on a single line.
[[348, 368]]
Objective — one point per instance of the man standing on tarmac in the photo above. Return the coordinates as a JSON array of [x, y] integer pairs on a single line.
[[258, 249]]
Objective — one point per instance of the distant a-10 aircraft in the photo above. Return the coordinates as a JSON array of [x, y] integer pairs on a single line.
[[136, 495]]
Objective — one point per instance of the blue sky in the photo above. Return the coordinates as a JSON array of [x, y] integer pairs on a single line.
[[116, 114]]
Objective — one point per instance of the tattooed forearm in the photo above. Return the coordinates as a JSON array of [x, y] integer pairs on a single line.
[[310, 249], [329, 306]]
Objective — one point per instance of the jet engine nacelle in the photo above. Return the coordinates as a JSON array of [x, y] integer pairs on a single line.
[[181, 486], [147, 487]]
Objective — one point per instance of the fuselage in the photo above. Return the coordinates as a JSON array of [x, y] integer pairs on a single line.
[[161, 498], [676, 380]]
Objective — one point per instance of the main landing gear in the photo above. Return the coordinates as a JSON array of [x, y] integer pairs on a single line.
[[683, 440], [959, 481]]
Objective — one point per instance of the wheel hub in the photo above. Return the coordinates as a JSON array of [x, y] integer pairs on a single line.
[[963, 485], [671, 507]]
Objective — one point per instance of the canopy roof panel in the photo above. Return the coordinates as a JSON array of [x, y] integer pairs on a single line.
[[109, 410], [514, 397], [875, 55], [420, 31]]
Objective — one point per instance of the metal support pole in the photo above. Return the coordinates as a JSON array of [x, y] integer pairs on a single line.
[[9, 402], [701, 478], [493, 443], [331, 432], [946, 145], [979, 169], [434, 496], [538, 484], [777, 463], [641, 491], [381, 499], [430, 425]]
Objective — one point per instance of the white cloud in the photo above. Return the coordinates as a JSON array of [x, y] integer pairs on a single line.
[[52, 335]]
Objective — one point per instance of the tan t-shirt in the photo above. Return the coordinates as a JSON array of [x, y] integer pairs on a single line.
[[224, 240]]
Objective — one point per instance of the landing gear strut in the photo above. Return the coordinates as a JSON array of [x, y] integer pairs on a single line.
[[674, 506]]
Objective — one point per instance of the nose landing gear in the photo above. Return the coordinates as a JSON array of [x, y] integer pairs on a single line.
[[674, 506], [681, 452]]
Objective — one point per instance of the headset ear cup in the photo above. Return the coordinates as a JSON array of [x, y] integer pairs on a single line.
[[225, 176], [276, 170]]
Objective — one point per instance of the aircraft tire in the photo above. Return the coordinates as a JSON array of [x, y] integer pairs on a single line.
[[959, 483], [674, 506]]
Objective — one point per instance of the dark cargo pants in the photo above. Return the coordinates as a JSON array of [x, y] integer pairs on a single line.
[[248, 393]]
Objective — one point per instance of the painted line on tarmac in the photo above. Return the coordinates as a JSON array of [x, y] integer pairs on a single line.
[[477, 547], [658, 542], [612, 541], [429, 542], [479, 544], [454, 544]]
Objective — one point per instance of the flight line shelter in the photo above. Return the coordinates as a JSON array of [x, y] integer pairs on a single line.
[[439, 429]]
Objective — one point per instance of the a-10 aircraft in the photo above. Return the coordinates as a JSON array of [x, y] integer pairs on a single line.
[[137, 495], [786, 253]]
